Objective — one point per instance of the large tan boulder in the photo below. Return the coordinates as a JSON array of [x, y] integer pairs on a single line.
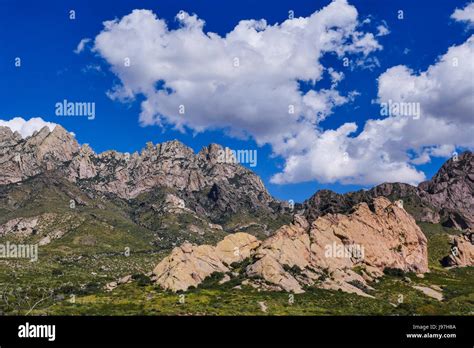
[[290, 246], [273, 272], [188, 265], [236, 247], [385, 234], [325, 254]]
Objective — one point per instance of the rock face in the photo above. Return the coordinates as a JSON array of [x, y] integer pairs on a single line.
[[21, 227], [188, 265], [451, 191], [371, 238], [45, 228], [326, 253], [430, 292], [44, 150], [462, 251], [386, 235], [448, 198]]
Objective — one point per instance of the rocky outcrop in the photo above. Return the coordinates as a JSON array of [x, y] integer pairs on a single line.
[[383, 233], [45, 150], [451, 191], [462, 251], [290, 246], [335, 252], [236, 247], [436, 294], [20, 227], [188, 265], [43, 228], [371, 238]]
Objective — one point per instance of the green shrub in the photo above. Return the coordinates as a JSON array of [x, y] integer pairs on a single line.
[[141, 279]]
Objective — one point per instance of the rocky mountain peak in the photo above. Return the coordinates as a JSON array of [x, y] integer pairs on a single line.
[[8, 137], [58, 144], [86, 150], [458, 169], [5, 133], [451, 191], [211, 153], [44, 150], [175, 149], [42, 133]]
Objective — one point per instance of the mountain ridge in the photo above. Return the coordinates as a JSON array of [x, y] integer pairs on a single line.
[[217, 188]]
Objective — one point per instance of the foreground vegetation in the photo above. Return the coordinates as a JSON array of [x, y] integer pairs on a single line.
[[67, 284]]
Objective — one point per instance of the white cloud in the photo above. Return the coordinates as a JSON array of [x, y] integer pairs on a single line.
[[336, 156], [445, 90], [245, 82], [81, 45], [336, 77], [381, 152], [465, 15], [92, 68], [382, 30], [27, 128]]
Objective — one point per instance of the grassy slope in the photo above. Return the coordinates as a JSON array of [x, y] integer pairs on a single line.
[[214, 299], [100, 225]]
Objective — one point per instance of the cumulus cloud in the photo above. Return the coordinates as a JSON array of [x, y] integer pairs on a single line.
[[388, 149], [27, 128], [246, 82], [465, 15], [444, 91]]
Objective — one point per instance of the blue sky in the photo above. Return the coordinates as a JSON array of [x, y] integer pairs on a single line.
[[42, 34]]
